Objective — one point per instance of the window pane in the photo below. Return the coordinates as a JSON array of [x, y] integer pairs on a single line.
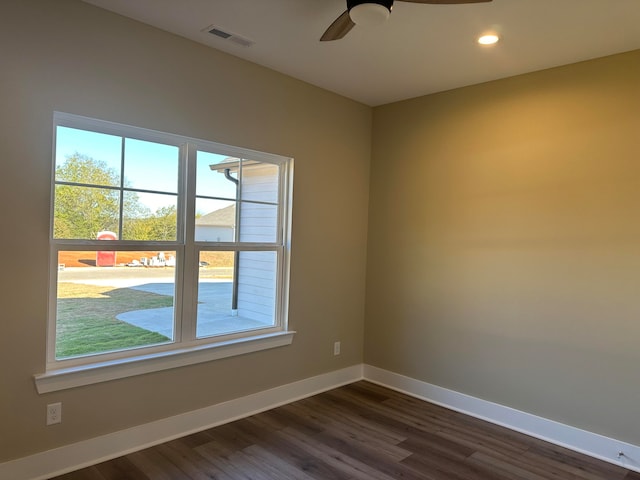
[[258, 222], [260, 181], [216, 175], [82, 212], [87, 157], [151, 166], [215, 220], [113, 300], [257, 286], [150, 216], [236, 292]]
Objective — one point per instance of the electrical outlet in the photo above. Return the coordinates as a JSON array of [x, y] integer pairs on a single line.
[[54, 413], [336, 348]]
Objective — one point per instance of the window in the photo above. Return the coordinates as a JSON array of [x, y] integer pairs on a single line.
[[161, 243]]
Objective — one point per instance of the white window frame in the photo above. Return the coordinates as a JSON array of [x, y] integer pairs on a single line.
[[186, 348]]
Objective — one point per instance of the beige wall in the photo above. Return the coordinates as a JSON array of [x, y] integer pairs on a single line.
[[72, 57], [504, 243]]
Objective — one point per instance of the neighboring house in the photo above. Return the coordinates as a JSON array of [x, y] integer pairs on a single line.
[[258, 205], [254, 272], [217, 226]]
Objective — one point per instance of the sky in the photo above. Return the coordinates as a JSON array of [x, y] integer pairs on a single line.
[[147, 166]]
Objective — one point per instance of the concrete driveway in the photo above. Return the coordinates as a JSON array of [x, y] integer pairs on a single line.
[[214, 298], [214, 311]]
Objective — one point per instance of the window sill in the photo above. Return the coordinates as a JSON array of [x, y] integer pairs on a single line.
[[65, 378]]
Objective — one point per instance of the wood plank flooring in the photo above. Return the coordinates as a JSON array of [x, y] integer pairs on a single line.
[[360, 431]]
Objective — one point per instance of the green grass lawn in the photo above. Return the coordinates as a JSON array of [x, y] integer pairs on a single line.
[[87, 324]]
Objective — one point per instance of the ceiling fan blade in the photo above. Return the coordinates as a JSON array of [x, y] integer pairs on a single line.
[[339, 28], [445, 2]]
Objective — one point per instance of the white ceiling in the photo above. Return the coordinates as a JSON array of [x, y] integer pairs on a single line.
[[421, 49]]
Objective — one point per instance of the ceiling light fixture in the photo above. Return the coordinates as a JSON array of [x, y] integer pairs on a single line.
[[369, 13], [489, 39]]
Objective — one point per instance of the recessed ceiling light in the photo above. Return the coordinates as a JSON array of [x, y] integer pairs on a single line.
[[488, 39]]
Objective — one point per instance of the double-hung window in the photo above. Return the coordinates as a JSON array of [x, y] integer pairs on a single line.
[[162, 245]]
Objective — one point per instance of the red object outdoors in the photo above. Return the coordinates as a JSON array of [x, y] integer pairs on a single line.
[[107, 258]]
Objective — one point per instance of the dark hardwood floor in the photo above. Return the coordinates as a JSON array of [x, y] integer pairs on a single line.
[[360, 431]]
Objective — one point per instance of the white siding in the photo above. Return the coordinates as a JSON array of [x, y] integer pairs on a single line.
[[258, 221], [260, 182], [257, 286]]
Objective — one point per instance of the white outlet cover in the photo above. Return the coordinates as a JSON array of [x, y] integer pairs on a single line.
[[54, 413]]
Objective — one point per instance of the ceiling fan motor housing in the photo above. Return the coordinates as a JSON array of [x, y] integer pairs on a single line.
[[369, 12], [385, 3]]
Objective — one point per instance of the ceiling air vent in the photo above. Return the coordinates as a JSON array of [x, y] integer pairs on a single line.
[[231, 37]]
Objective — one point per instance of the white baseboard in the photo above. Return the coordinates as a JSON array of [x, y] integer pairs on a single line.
[[578, 440], [61, 460]]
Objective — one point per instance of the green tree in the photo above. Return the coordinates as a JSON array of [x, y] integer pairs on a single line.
[[81, 211], [164, 223], [160, 225]]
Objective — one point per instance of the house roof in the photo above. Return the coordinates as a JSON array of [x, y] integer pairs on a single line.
[[224, 217]]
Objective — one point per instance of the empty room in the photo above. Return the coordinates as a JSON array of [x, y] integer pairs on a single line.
[[251, 239]]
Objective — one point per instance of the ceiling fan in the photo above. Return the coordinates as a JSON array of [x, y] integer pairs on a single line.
[[364, 12]]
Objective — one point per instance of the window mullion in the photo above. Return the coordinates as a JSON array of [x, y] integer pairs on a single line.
[[189, 280], [121, 216], [239, 203]]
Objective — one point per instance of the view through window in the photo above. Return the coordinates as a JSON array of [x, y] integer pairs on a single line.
[[160, 242]]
